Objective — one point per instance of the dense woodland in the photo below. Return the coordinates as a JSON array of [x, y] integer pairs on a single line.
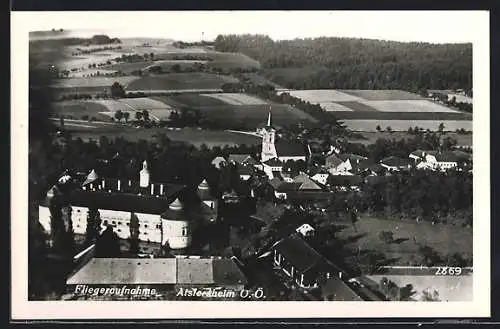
[[346, 63]]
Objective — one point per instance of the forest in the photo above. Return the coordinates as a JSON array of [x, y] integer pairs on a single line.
[[347, 63]]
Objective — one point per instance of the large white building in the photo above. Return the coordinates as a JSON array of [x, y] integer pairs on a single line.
[[159, 209]]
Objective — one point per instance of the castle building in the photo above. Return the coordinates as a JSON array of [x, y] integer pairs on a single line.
[[158, 208], [280, 149]]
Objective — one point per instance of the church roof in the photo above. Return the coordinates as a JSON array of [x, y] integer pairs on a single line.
[[289, 148], [175, 211]]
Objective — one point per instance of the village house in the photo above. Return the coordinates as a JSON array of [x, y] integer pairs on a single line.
[[301, 263], [393, 163], [349, 161], [442, 161]]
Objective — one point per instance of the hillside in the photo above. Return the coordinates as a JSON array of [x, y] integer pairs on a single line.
[[346, 63]]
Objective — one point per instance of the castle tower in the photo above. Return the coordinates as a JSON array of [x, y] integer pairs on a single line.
[[268, 140], [144, 175], [176, 228], [207, 198]]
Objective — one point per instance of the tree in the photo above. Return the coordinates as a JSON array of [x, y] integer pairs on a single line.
[[386, 236], [93, 226], [108, 244], [134, 233], [138, 116], [117, 90], [118, 115], [176, 68], [389, 129], [378, 128], [441, 127], [145, 115], [126, 116]]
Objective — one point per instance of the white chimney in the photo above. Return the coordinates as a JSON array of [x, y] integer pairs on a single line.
[[129, 183], [144, 175], [119, 184], [84, 188], [91, 186], [161, 189], [103, 184], [152, 189]]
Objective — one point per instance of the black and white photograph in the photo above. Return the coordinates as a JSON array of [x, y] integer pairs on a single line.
[[233, 157]]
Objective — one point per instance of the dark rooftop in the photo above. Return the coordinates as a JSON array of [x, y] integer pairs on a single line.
[[394, 161], [290, 148], [273, 163], [122, 201]]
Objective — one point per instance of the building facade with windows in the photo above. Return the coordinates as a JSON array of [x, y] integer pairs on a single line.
[[157, 211]]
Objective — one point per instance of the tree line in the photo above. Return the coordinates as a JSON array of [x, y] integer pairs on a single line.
[[347, 63]]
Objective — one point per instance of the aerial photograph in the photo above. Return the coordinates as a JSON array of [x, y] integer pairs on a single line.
[[240, 165]]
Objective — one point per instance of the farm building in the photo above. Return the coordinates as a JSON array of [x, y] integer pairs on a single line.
[[164, 213], [298, 260], [157, 273]]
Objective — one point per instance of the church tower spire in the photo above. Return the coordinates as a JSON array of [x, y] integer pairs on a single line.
[[268, 139]]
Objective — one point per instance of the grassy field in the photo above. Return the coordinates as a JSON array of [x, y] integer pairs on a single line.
[[216, 59], [105, 108], [382, 95], [371, 137], [403, 125], [449, 288], [237, 99], [174, 81], [446, 239], [75, 83], [248, 115], [189, 135]]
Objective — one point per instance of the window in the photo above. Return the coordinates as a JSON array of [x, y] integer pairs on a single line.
[[77, 210], [113, 222], [184, 231], [119, 223], [145, 233], [105, 223], [119, 230], [145, 225], [128, 224]]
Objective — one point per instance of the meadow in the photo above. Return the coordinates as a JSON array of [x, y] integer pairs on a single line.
[[174, 81], [445, 238], [403, 125], [250, 112], [193, 136]]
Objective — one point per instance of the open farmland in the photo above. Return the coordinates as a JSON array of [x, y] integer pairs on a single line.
[[215, 59], [363, 110], [445, 238], [94, 130], [403, 125], [175, 81], [237, 99], [449, 288], [372, 136], [247, 115], [106, 108], [94, 82], [382, 95]]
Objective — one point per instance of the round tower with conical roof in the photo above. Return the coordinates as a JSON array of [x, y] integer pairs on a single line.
[[207, 198], [176, 226]]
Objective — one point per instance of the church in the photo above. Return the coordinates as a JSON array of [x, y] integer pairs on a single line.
[[279, 149]]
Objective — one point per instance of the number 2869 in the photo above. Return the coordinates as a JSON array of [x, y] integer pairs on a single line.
[[443, 270]]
